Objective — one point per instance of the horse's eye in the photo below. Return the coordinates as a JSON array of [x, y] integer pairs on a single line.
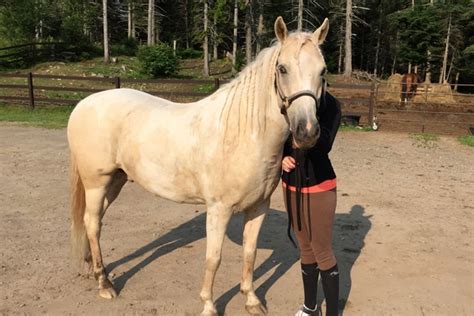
[[282, 69]]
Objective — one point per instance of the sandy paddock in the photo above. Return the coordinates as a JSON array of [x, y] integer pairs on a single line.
[[403, 236]]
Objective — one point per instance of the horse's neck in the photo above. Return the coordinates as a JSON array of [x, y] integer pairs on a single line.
[[250, 107]]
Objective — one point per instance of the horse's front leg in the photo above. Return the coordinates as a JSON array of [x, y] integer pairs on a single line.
[[252, 222], [216, 224]]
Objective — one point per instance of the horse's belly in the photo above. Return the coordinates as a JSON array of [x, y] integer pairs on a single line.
[[164, 181]]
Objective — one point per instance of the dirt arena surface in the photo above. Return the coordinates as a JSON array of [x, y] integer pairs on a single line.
[[403, 236]]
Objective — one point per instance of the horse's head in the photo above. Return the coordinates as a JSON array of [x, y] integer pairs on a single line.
[[300, 70]]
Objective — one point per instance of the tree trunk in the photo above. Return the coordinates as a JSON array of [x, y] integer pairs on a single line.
[[339, 63], [151, 23], [348, 40], [186, 23], [214, 40], [428, 67], [234, 40], [248, 31], [442, 76], [450, 67], [394, 64], [300, 15], [206, 42], [259, 32], [377, 50], [456, 82], [131, 24], [106, 33], [341, 45], [413, 4]]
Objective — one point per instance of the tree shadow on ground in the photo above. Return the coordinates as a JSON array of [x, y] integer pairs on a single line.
[[350, 230]]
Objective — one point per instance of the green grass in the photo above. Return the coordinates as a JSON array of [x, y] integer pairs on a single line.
[[350, 128], [47, 117], [425, 140], [467, 140]]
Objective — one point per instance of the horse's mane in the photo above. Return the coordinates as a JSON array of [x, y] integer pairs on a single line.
[[248, 95]]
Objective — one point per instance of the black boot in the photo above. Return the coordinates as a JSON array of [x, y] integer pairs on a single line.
[[330, 280]]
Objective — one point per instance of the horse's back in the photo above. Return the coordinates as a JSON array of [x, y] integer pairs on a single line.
[[98, 121]]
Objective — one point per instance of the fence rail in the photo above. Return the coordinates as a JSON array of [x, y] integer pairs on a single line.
[[363, 101]]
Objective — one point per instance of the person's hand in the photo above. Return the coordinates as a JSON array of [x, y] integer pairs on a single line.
[[288, 163]]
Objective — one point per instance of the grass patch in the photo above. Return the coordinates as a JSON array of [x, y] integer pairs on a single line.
[[425, 140], [205, 88], [467, 140], [350, 128], [47, 117]]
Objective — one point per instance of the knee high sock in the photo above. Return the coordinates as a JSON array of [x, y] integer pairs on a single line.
[[310, 273], [330, 280]]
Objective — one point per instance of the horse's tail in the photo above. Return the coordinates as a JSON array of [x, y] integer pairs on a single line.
[[79, 243]]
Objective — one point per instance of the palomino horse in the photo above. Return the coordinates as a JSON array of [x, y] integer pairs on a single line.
[[223, 151], [409, 85]]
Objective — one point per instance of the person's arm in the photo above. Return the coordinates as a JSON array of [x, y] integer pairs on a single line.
[[288, 162], [329, 121]]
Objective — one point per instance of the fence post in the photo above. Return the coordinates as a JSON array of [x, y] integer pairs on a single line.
[[117, 82], [216, 83], [427, 86], [372, 103], [31, 92]]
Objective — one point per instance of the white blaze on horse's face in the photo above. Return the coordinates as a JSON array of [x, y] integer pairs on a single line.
[[301, 67]]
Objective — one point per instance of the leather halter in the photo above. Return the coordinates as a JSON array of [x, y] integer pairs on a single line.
[[288, 100]]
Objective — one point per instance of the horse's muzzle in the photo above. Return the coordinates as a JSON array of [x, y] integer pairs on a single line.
[[306, 135]]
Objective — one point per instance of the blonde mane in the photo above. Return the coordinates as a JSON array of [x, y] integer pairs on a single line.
[[247, 96]]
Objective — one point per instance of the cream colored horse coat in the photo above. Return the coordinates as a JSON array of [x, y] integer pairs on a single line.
[[224, 151]]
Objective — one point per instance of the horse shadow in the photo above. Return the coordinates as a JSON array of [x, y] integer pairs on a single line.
[[349, 233]]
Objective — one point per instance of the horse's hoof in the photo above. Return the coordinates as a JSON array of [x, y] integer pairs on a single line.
[[209, 310], [256, 310], [108, 293]]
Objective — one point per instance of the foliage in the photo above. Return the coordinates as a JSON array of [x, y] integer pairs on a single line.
[[387, 34], [467, 140], [188, 53], [127, 47], [158, 60]]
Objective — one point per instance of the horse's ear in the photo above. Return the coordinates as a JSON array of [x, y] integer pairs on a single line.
[[320, 34], [281, 31]]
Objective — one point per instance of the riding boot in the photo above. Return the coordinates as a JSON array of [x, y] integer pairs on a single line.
[[330, 280]]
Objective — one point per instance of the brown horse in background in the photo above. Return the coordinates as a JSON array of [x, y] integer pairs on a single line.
[[409, 85]]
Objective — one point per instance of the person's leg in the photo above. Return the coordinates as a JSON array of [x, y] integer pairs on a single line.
[[309, 267], [323, 207]]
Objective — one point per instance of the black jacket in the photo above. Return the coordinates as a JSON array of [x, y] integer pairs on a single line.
[[314, 163]]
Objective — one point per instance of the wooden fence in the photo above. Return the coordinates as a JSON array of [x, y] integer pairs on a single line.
[[362, 101]]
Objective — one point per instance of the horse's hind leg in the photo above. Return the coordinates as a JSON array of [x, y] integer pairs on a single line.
[[95, 202], [252, 223], [117, 182], [216, 224]]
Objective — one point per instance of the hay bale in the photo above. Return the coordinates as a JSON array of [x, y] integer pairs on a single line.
[[391, 89], [437, 93]]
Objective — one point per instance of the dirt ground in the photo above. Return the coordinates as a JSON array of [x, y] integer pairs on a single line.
[[403, 236]]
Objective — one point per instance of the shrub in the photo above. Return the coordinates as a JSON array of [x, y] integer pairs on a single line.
[[127, 47], [189, 53], [158, 60]]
